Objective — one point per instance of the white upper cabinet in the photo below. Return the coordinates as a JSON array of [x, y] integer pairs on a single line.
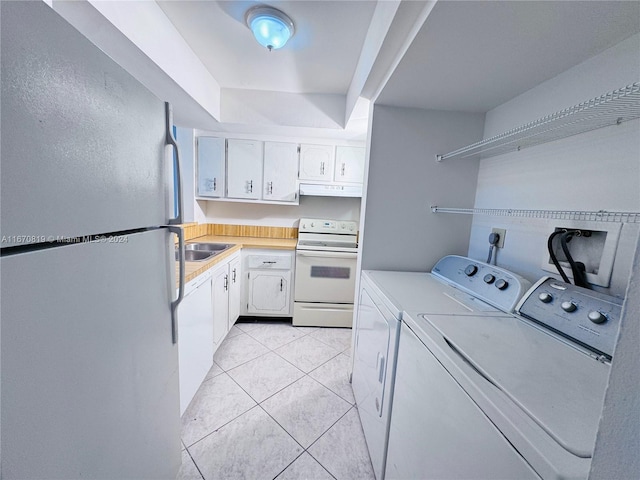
[[349, 164], [316, 162], [244, 169], [280, 172], [210, 167]]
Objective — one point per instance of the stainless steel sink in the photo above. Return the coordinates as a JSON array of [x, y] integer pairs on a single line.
[[195, 255], [209, 247], [200, 251]]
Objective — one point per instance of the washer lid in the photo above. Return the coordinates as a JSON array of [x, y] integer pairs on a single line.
[[559, 387], [417, 291]]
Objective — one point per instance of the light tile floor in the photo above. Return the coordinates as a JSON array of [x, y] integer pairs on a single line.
[[277, 404]]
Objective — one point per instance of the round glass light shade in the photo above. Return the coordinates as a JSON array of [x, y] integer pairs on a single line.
[[271, 27]]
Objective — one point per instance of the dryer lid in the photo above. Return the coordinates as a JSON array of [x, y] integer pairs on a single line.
[[558, 386]]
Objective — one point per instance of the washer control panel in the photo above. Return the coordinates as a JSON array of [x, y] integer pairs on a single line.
[[588, 317], [490, 283]]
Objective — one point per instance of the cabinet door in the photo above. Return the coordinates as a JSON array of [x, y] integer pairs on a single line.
[[269, 292], [244, 169], [316, 162], [349, 164], [220, 303], [280, 171], [195, 339], [235, 277], [210, 167]]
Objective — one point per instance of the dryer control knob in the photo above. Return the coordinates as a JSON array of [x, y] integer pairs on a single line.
[[569, 306], [488, 278], [545, 297], [471, 270], [597, 317], [502, 284]]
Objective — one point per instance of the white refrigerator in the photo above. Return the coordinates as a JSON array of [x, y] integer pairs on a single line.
[[89, 359]]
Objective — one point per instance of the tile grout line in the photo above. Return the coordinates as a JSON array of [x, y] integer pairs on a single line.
[[259, 404]]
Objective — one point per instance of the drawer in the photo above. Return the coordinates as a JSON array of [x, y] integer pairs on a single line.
[[278, 262]]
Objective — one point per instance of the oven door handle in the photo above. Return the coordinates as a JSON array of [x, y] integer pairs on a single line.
[[325, 254]]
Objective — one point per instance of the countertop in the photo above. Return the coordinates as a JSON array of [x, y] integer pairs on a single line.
[[193, 269]]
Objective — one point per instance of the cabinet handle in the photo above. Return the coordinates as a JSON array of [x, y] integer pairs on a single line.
[[322, 168], [281, 284], [270, 188], [342, 173], [250, 186], [226, 283], [268, 263], [233, 278], [215, 184]]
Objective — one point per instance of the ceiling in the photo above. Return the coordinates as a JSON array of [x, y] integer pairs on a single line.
[[473, 56], [320, 58], [445, 55]]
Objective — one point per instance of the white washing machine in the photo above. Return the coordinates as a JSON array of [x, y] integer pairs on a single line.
[[454, 287], [505, 396]]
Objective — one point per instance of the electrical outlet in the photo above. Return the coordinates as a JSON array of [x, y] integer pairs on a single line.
[[503, 233]]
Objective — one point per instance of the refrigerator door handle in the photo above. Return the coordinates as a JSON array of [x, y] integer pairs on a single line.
[[174, 304], [170, 140]]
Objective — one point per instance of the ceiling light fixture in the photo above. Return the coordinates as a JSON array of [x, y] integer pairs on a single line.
[[271, 27]]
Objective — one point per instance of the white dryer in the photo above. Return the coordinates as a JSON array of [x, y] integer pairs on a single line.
[[456, 286], [503, 396]]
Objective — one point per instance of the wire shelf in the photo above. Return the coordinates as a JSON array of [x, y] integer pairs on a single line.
[[611, 108], [593, 216]]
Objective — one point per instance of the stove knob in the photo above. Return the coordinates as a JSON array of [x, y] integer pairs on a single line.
[[597, 317], [471, 270], [304, 225], [351, 228], [343, 226], [502, 284], [545, 297], [489, 279], [569, 306], [313, 224]]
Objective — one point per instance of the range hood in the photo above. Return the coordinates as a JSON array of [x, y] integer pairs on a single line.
[[313, 189]]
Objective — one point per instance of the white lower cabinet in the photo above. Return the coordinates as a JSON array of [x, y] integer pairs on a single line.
[[235, 289], [195, 337], [220, 290], [209, 309], [268, 290]]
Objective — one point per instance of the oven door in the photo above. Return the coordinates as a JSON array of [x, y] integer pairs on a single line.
[[325, 276]]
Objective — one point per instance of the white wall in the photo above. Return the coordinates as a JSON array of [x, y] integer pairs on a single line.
[[618, 441], [598, 170], [193, 211], [399, 232]]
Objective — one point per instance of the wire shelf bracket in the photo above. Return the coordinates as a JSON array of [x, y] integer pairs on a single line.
[[593, 216], [612, 108]]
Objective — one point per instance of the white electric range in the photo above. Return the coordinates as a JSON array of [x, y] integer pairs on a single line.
[[326, 257]]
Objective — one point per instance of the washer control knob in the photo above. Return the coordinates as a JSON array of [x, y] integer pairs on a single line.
[[569, 306], [501, 284], [597, 317], [545, 297], [488, 278], [471, 270]]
